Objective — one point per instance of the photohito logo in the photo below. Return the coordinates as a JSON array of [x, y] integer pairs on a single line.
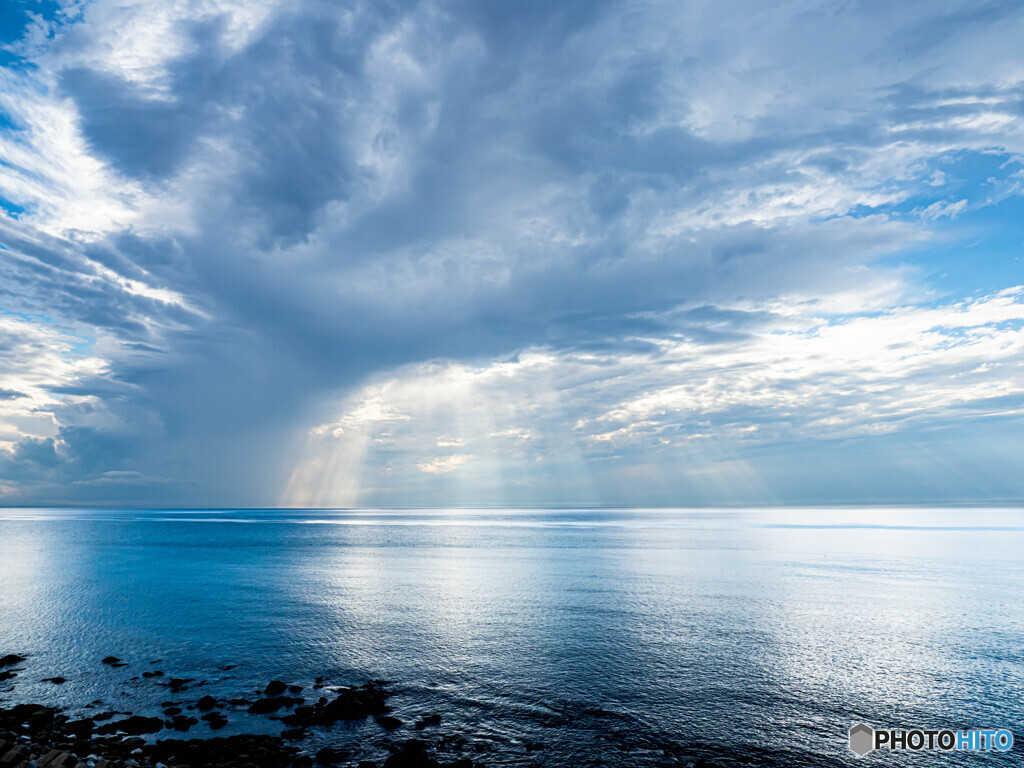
[[864, 739]]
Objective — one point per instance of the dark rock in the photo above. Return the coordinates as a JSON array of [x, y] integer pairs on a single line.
[[55, 680], [119, 664], [258, 751], [15, 755], [412, 754], [295, 688], [318, 680], [330, 755], [182, 723], [176, 682], [133, 725], [275, 688], [11, 658], [172, 711], [111, 660], [36, 716], [265, 706], [240, 702], [294, 734], [351, 704], [388, 722], [81, 728], [7, 675], [426, 720], [207, 702], [158, 673]]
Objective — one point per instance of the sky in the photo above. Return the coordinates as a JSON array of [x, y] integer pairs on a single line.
[[457, 253]]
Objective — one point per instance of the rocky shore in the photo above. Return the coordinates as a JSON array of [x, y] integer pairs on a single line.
[[39, 736]]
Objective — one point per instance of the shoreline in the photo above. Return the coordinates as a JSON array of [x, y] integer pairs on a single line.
[[36, 735]]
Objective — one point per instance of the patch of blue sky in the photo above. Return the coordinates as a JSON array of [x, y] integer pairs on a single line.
[[84, 345], [6, 123], [31, 317], [15, 16], [12, 209], [973, 204], [81, 344], [979, 251]]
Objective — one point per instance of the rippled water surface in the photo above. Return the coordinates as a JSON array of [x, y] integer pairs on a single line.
[[546, 637]]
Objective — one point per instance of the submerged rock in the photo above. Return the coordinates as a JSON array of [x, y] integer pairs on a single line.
[[111, 660], [268, 705], [412, 754], [11, 658], [182, 722], [351, 704], [426, 720]]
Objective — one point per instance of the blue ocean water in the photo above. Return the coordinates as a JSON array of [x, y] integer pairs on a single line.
[[548, 637]]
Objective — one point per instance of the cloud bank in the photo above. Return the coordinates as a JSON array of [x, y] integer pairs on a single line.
[[440, 252]]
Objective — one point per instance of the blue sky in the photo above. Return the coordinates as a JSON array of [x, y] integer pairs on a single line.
[[461, 253]]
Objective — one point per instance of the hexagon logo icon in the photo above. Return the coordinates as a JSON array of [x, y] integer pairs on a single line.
[[862, 739]]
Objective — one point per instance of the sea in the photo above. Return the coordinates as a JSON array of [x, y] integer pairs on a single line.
[[543, 637]]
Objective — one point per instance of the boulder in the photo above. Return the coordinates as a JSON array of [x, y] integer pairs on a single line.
[[275, 688]]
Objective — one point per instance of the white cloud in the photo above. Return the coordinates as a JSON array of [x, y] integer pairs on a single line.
[[37, 361], [795, 376], [444, 464]]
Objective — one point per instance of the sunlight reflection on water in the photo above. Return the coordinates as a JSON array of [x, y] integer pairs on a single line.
[[595, 633]]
